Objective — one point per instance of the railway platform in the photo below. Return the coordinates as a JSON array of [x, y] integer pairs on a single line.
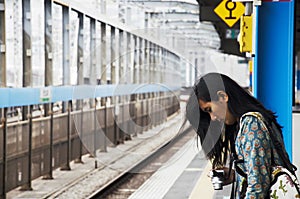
[[184, 175], [84, 178]]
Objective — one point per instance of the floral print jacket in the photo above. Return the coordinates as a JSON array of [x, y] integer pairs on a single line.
[[253, 145]]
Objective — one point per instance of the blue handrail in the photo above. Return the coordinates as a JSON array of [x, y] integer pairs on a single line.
[[10, 97]]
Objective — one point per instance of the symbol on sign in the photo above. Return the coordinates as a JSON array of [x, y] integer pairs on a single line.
[[45, 95], [230, 9], [230, 12]]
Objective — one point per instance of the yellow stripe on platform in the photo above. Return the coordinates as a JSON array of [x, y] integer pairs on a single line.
[[203, 188]]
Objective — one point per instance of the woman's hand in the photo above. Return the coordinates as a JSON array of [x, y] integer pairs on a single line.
[[228, 179]]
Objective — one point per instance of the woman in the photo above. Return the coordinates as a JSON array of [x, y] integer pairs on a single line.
[[228, 120]]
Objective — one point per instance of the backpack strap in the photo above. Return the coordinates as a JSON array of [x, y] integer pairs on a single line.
[[233, 163], [278, 147]]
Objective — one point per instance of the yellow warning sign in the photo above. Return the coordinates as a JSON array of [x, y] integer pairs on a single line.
[[230, 11]]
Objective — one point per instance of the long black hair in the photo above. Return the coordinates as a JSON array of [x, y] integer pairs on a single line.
[[217, 139]]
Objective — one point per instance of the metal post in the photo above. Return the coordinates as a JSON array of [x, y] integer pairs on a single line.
[[113, 55], [121, 72], [135, 59], [27, 71], [147, 80], [49, 176], [66, 48], [154, 64], [142, 112], [4, 158], [122, 132], [80, 50], [141, 60], [116, 80], [116, 130], [150, 95], [103, 64], [48, 48], [121, 55], [79, 159], [48, 42], [80, 80], [27, 186], [81, 133], [95, 133], [145, 110], [273, 64], [2, 45], [150, 63], [128, 59], [163, 65], [103, 53], [132, 111], [67, 167], [133, 98], [105, 123], [93, 78], [51, 142], [146, 60], [160, 70], [112, 60]]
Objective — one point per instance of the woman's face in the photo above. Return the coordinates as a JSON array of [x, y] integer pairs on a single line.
[[218, 109]]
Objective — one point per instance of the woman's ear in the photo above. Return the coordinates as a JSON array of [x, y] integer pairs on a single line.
[[222, 96]]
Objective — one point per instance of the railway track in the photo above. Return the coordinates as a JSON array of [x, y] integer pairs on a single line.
[[126, 183]]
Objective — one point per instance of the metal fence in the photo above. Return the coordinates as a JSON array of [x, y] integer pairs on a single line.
[[84, 122], [36, 146]]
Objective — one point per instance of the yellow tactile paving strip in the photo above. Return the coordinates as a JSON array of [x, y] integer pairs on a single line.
[[202, 189]]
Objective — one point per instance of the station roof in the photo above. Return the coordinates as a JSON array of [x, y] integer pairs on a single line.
[[180, 19], [194, 20]]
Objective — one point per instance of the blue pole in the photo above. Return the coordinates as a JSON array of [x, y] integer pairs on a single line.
[[273, 62]]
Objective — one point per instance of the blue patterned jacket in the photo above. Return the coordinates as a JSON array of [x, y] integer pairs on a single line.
[[253, 145]]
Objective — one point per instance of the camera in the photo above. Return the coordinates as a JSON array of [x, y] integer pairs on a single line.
[[217, 178]]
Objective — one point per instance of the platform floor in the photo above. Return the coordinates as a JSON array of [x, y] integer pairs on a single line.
[[184, 176]]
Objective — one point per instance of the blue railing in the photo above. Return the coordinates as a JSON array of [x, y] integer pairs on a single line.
[[11, 97]]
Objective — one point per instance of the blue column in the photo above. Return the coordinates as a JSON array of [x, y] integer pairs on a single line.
[[273, 62]]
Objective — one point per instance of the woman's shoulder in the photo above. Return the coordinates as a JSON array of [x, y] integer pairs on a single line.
[[253, 121], [250, 117], [252, 129], [257, 115]]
